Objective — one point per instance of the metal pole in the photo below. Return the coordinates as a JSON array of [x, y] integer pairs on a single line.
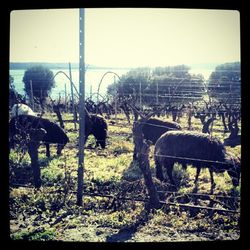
[[81, 108]]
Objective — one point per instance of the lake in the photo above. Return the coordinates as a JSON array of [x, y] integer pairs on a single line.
[[92, 80]]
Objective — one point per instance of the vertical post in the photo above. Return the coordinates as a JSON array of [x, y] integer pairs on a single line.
[[116, 108], [65, 97], [81, 108], [90, 95], [169, 94], [115, 101], [141, 154], [31, 95], [140, 97], [157, 99], [72, 96]]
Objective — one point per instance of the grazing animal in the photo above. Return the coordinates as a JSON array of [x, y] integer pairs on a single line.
[[154, 128], [98, 128], [197, 149], [21, 109], [54, 134]]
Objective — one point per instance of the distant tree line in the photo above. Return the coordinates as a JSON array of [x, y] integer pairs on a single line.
[[174, 85], [224, 83], [170, 86]]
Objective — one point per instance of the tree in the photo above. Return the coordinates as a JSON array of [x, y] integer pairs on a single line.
[[175, 85], [162, 86], [42, 81], [131, 85], [224, 83], [14, 97]]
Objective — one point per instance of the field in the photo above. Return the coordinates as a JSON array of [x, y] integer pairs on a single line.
[[112, 209]]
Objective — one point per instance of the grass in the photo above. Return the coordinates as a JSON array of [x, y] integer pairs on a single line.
[[51, 213], [37, 234]]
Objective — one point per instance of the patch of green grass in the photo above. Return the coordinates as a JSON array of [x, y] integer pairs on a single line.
[[122, 147], [91, 142], [105, 169], [53, 173], [18, 156], [40, 235], [132, 173]]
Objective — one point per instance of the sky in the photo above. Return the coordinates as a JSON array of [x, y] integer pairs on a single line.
[[126, 37]]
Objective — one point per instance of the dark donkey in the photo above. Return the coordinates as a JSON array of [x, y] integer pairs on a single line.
[[153, 128], [198, 149], [99, 129], [54, 134]]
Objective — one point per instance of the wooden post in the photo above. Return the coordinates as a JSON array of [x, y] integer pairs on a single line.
[[116, 108], [142, 148], [157, 96], [72, 97], [141, 152], [31, 95], [65, 97], [140, 97], [90, 92], [116, 96]]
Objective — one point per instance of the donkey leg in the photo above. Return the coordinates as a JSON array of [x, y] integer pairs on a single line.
[[158, 166], [59, 149], [198, 170], [47, 149], [212, 181], [169, 168]]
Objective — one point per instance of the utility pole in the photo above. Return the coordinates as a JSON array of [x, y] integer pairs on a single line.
[[81, 108]]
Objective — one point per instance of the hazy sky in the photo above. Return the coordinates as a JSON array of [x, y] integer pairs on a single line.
[[126, 37]]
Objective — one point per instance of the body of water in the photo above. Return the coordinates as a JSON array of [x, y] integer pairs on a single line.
[[93, 78]]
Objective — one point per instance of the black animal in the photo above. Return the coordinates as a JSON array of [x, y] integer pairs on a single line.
[[197, 149], [20, 124], [97, 126], [154, 128]]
